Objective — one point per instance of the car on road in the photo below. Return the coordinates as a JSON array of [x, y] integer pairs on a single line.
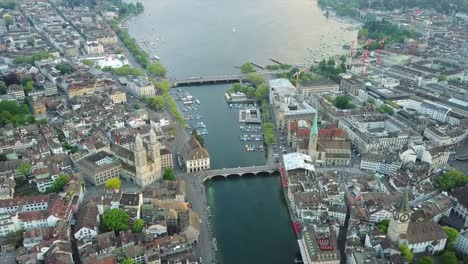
[[199, 260]]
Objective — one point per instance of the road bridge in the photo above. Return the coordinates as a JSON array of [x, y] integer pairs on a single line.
[[240, 171], [201, 80]]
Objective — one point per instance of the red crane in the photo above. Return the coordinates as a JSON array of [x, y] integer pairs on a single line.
[[365, 54], [382, 42]]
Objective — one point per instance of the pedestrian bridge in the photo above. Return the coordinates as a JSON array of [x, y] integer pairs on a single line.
[[240, 171]]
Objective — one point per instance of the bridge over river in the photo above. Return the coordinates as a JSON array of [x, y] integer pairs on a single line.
[[217, 79], [201, 80], [253, 170]]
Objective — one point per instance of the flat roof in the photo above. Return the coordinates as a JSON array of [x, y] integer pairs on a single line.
[[297, 160], [458, 102]]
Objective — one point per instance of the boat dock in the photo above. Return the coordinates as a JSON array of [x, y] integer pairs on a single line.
[[250, 115]]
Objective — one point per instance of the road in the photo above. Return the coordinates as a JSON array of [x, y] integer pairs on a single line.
[[196, 195]]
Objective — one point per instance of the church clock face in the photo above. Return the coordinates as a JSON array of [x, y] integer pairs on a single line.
[[396, 215], [404, 217]]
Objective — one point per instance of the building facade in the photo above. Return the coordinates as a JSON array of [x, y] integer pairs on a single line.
[[100, 167], [142, 165]]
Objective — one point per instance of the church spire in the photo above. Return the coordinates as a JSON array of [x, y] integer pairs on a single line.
[[153, 138], [314, 129], [138, 143], [403, 205]]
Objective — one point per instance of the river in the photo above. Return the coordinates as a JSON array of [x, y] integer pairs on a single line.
[[210, 37]]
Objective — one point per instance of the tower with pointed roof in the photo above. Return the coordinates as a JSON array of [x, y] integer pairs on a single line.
[[140, 156], [313, 139], [399, 222]]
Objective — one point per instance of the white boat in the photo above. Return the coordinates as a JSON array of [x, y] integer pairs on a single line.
[[156, 57], [233, 29], [198, 101]]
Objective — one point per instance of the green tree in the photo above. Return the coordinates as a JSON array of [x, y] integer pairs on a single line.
[[247, 68], [136, 106], [113, 184], [88, 62], [341, 102], [138, 225], [59, 184], [370, 101], [255, 78], [163, 86], [383, 225], [452, 234], [156, 102], [250, 92], [3, 157], [157, 69], [128, 261], [29, 86], [426, 260], [116, 219], [42, 122], [448, 257], [3, 88], [169, 175], [262, 92], [442, 77], [385, 109], [8, 20], [25, 169], [331, 62], [63, 68], [452, 179], [406, 252], [363, 33], [269, 133], [465, 260]]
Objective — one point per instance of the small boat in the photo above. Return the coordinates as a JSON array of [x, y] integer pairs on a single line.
[[233, 29], [198, 101], [156, 57]]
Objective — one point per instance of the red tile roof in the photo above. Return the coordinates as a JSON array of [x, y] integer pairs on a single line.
[[33, 216], [25, 200], [60, 209], [332, 133]]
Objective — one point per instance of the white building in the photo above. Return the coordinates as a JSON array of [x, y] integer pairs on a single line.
[[24, 204], [6, 224], [94, 48], [461, 243], [380, 215], [140, 86], [197, 157], [379, 163], [435, 111], [445, 135], [338, 212]]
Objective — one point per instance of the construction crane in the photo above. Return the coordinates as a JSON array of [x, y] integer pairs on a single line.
[[416, 13], [382, 42], [365, 54]]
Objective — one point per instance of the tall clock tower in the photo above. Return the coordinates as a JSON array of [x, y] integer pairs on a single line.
[[400, 219]]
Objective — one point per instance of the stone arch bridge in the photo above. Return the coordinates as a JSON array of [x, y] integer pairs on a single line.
[[240, 171]]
